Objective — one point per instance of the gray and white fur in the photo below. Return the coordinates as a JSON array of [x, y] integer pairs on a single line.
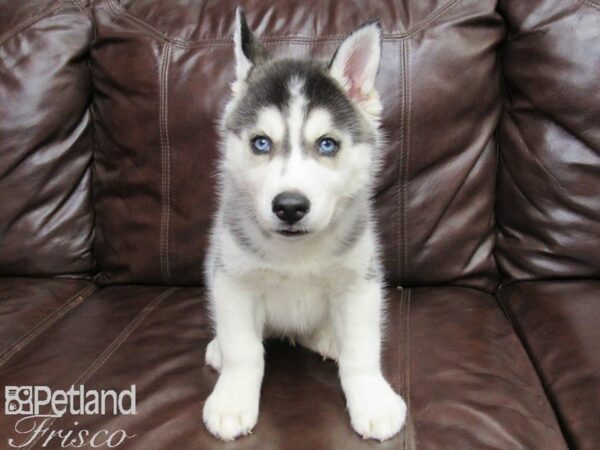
[[293, 249]]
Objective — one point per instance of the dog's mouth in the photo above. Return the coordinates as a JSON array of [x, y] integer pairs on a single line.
[[291, 233]]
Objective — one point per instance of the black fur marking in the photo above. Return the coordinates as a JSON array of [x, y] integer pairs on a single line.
[[323, 92], [268, 85], [264, 90], [355, 214], [239, 234], [235, 214], [286, 147], [251, 47], [374, 271], [353, 236]]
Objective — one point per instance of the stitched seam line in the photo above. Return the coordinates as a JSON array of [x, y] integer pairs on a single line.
[[408, 441], [80, 5], [591, 3], [165, 164], [403, 359], [46, 323], [162, 165], [29, 22], [117, 11], [401, 240], [409, 438], [122, 337], [407, 105], [441, 10], [399, 172], [113, 347], [168, 168]]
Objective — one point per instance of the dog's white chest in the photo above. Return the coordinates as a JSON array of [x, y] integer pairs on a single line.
[[293, 306]]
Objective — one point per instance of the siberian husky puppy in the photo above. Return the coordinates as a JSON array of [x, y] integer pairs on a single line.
[[293, 249]]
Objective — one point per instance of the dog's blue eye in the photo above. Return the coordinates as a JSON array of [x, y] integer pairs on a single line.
[[261, 144], [328, 146]]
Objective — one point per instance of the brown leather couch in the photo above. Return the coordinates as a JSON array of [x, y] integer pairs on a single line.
[[488, 204]]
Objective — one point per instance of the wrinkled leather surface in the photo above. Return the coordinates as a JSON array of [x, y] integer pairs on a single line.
[[559, 323], [548, 206], [46, 138], [161, 73], [28, 306], [450, 351], [161, 78]]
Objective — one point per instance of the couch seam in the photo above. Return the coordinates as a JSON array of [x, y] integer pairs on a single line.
[[409, 425], [92, 164], [122, 337], [46, 323], [30, 22], [80, 5], [116, 11], [591, 3], [403, 358], [408, 433], [168, 170], [165, 163], [406, 159], [402, 170], [112, 348], [434, 15], [398, 196]]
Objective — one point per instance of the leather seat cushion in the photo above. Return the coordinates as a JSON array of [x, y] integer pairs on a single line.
[[559, 322], [450, 351], [29, 306]]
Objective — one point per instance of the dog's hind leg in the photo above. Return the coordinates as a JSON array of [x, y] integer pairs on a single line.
[[322, 341]]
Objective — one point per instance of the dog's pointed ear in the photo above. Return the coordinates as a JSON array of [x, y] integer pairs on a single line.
[[248, 51], [356, 62]]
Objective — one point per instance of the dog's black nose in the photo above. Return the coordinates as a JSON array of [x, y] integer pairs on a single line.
[[290, 207]]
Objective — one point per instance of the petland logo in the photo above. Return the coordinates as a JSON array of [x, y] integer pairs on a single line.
[[40, 406]]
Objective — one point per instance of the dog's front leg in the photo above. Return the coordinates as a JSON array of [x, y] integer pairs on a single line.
[[232, 408], [376, 411]]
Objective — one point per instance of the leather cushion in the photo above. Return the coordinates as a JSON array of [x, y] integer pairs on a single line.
[[162, 76], [548, 206], [46, 139], [559, 322], [450, 352], [29, 306]]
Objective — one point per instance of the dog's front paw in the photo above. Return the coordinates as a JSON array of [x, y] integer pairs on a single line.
[[376, 411], [230, 412]]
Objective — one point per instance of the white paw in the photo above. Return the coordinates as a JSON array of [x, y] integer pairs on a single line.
[[376, 411], [231, 410], [323, 342], [213, 355]]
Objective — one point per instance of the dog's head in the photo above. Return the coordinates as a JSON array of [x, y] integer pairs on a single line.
[[300, 137]]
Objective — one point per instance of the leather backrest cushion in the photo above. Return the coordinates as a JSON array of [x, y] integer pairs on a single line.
[[549, 180], [162, 74], [46, 139]]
